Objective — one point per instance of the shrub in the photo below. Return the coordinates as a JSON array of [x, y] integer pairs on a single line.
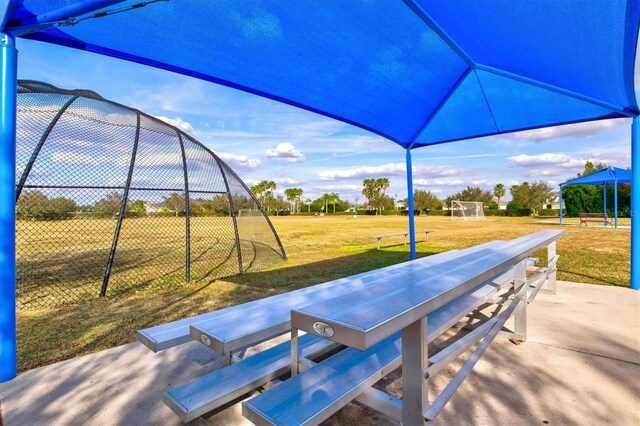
[[438, 212], [551, 212], [514, 205]]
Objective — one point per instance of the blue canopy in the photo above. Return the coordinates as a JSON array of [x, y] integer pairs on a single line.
[[608, 176], [418, 72]]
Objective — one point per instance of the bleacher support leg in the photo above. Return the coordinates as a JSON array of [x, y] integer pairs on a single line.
[[295, 353], [551, 254], [414, 368], [520, 317]]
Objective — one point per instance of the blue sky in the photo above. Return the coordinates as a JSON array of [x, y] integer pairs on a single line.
[[263, 139]]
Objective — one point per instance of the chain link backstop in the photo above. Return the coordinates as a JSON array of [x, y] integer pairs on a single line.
[[111, 201]]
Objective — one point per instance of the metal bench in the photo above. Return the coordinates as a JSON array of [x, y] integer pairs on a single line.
[[371, 322], [254, 322], [595, 217], [221, 327], [398, 234], [232, 328], [215, 389]]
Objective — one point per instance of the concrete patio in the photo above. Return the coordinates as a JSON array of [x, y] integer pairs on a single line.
[[580, 365]]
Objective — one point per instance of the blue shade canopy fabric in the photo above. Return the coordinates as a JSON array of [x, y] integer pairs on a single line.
[[607, 176], [418, 72]]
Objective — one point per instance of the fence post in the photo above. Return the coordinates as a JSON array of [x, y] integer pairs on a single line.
[[187, 213], [235, 220], [123, 207]]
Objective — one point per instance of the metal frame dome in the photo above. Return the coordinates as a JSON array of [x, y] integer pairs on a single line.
[[113, 201]]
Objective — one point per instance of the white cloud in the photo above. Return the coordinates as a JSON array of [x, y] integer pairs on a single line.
[[287, 181], [239, 161], [178, 122], [75, 158], [339, 187], [438, 182], [550, 164], [389, 169], [547, 159], [481, 182], [590, 128], [544, 172], [285, 152]]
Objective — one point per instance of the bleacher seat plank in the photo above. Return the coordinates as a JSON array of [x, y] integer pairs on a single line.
[[206, 393]]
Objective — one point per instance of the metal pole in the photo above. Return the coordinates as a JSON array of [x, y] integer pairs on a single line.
[[414, 365], [187, 213], [560, 205], [121, 212], [412, 225], [635, 203], [604, 203], [8, 93], [615, 204], [233, 217]]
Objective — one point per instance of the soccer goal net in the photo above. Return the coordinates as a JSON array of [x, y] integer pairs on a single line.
[[467, 210]]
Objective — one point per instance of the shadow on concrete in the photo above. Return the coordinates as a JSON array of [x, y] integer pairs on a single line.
[[580, 365]]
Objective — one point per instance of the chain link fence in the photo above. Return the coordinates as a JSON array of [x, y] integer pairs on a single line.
[[111, 201]]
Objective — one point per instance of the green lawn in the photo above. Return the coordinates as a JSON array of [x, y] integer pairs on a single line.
[[319, 249]]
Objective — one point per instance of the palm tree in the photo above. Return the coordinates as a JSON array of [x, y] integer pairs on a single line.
[[333, 199], [291, 195], [369, 190], [381, 185], [325, 197], [298, 195], [499, 191], [308, 202]]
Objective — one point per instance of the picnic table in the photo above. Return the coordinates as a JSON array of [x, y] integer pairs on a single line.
[[370, 324], [397, 234]]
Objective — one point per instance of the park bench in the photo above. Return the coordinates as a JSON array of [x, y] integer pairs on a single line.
[[229, 329], [399, 234], [387, 326], [595, 217]]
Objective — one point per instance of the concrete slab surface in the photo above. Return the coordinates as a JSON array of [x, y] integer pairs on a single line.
[[580, 365]]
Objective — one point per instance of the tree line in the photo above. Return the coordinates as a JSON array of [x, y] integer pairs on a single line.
[[533, 196], [36, 205]]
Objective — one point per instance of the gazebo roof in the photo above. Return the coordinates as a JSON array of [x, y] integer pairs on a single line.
[[606, 176], [418, 72]]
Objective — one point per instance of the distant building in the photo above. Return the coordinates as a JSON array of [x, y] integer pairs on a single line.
[[552, 203], [400, 205], [502, 205], [155, 208]]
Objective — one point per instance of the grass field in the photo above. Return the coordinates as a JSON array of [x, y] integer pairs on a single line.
[[319, 249]]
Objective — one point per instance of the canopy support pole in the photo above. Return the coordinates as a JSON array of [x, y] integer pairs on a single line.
[[604, 203], [412, 225], [560, 205], [615, 204], [8, 97], [635, 203]]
